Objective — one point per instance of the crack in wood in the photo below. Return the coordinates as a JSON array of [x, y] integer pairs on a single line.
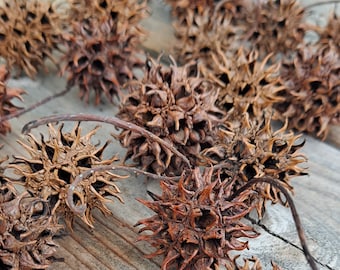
[[266, 229]]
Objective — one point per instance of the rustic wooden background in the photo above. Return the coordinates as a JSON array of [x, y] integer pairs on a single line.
[[112, 244]]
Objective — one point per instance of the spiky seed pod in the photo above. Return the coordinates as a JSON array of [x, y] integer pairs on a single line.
[[254, 149], [312, 95], [7, 190], [248, 86], [178, 106], [53, 166], [198, 34], [180, 7], [129, 12], [330, 33], [26, 229], [7, 95], [196, 38], [275, 26], [195, 227], [29, 32], [101, 55]]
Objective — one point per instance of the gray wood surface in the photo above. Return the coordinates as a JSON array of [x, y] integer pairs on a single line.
[[112, 244]]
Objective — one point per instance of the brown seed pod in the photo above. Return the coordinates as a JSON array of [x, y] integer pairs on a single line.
[[252, 149], [53, 166], [195, 226], [330, 33], [312, 94], [198, 33], [248, 86], [175, 104], [179, 8], [26, 229], [6, 96], [7, 190], [101, 55], [29, 32], [275, 26], [129, 12]]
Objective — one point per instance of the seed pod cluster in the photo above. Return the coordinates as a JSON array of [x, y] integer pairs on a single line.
[[269, 26], [195, 226], [53, 165], [26, 229], [7, 95], [29, 32], [312, 94], [252, 149], [177, 106]]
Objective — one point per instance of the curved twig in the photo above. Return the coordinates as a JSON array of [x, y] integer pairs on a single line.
[[34, 106], [80, 209], [112, 120], [295, 214]]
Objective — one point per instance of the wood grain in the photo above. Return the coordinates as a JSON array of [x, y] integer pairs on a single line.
[[112, 244]]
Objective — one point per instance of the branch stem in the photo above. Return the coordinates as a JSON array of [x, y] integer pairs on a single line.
[[295, 214], [112, 120], [80, 209], [35, 105]]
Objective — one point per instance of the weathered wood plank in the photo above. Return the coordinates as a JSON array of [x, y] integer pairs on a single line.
[[111, 245]]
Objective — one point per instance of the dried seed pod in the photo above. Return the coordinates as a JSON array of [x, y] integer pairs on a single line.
[[176, 105], [53, 166], [275, 26], [199, 32], [29, 32], [7, 190], [330, 33], [180, 7], [312, 94], [195, 227], [253, 149], [248, 86], [129, 12], [6, 96], [101, 55], [26, 229]]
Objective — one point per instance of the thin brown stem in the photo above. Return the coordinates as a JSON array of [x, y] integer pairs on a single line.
[[322, 3], [34, 106], [80, 209], [295, 214], [108, 120]]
